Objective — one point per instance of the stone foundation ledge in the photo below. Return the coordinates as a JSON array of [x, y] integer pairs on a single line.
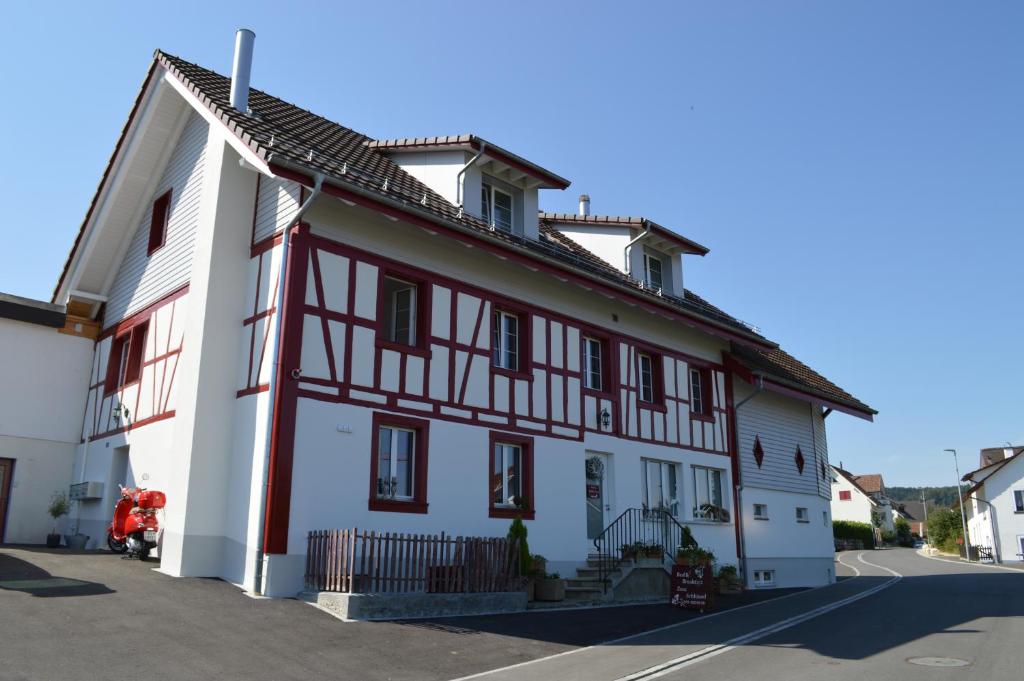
[[388, 606]]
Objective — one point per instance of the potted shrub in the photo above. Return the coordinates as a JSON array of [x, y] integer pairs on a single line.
[[550, 587], [58, 507], [694, 556], [729, 580], [649, 554], [630, 551]]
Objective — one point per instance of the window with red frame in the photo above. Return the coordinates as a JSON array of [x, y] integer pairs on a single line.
[[510, 476], [649, 378], [398, 465], [700, 391], [158, 223], [595, 361], [844, 495], [125, 363], [403, 312]]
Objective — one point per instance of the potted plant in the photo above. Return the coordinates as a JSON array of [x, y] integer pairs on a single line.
[[550, 587], [649, 554], [694, 556], [729, 580], [630, 551], [58, 507]]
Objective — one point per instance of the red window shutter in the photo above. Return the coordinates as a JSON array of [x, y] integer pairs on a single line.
[[136, 351], [844, 495], [158, 223], [117, 347]]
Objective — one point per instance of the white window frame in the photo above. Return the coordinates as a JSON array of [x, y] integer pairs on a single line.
[[393, 461], [501, 451], [501, 350], [393, 304], [668, 472], [593, 364], [646, 390], [804, 517], [697, 405], [763, 515], [705, 485], [764, 577], [649, 271], [487, 209]]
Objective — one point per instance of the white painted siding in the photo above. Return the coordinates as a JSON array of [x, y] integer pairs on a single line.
[[276, 206], [781, 423], [142, 279]]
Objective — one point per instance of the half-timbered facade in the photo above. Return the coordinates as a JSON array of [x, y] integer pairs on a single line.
[[303, 327]]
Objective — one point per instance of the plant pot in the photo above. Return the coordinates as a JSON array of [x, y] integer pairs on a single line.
[[648, 561], [52, 541], [628, 555], [550, 589], [76, 542]]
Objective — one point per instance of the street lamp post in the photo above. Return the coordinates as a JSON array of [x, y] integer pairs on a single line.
[[960, 493]]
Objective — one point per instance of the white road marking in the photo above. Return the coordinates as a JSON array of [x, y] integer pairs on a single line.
[[721, 648], [856, 572], [960, 562]]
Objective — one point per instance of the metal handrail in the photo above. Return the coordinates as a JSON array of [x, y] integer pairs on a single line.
[[633, 526]]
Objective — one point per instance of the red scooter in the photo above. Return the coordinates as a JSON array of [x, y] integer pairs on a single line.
[[134, 527]]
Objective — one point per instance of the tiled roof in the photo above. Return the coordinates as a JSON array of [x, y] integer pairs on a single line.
[[470, 142], [853, 481], [779, 365], [284, 134], [870, 483], [628, 221]]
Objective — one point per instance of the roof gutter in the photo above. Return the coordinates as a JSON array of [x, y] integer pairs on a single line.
[[302, 174]]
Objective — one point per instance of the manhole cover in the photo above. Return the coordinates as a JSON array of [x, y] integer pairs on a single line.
[[938, 661]]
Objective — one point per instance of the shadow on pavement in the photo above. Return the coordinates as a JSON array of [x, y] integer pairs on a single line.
[[20, 575]]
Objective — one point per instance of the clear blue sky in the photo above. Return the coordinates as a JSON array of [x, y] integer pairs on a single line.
[[857, 169]]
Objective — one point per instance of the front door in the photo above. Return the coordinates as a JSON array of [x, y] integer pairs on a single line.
[[6, 473], [598, 493]]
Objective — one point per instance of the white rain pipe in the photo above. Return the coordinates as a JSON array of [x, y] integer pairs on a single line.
[[273, 379], [629, 247], [461, 177]]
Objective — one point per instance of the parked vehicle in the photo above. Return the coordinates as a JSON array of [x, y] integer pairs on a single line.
[[133, 530]]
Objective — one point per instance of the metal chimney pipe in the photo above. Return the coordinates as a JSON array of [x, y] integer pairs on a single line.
[[584, 205], [241, 69]]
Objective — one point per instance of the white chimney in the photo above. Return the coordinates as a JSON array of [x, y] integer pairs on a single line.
[[241, 69], [584, 205]]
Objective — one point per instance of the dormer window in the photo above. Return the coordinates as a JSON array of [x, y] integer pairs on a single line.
[[652, 272], [496, 207]]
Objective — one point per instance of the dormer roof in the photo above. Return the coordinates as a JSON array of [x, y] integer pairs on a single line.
[[504, 160], [661, 238]]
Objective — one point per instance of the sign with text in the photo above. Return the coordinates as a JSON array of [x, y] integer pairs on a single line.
[[593, 491], [692, 587]]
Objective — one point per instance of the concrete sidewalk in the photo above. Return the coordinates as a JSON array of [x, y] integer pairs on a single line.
[[627, 656]]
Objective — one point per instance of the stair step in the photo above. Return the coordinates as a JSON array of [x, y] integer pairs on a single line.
[[586, 583], [584, 589]]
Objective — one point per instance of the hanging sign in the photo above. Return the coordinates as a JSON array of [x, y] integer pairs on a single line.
[[692, 587], [593, 491]]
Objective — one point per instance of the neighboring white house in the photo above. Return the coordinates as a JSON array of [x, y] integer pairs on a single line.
[[45, 372], [861, 498], [306, 328], [995, 504]]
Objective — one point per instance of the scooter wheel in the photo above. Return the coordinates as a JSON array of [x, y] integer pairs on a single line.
[[115, 545], [144, 553]]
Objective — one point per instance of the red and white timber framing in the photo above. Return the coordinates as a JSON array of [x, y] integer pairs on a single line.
[[150, 398], [333, 350]]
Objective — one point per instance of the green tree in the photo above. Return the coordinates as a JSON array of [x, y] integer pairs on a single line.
[[944, 529], [517, 534], [903, 533]]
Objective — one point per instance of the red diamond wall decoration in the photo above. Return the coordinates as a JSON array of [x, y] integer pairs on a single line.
[[799, 460], [758, 451]]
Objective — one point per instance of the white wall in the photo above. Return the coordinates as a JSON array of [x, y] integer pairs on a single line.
[[999, 517], [857, 509], [46, 378]]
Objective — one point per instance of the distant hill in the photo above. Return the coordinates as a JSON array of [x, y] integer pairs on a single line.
[[940, 496]]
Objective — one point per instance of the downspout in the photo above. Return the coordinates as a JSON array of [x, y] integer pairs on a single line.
[[273, 380], [629, 247], [758, 389], [460, 178]]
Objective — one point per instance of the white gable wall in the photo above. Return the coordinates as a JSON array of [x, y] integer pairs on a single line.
[[857, 509], [143, 279], [999, 517]]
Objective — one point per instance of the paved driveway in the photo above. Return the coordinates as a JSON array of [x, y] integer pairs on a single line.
[[93, 615]]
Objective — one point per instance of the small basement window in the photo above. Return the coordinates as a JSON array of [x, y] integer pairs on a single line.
[[760, 511], [801, 515], [764, 577], [158, 222]]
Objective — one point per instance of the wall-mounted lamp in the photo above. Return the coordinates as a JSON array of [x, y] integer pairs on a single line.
[[606, 418]]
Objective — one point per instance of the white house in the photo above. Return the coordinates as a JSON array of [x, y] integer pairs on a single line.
[[861, 498], [45, 369], [995, 504], [306, 328]]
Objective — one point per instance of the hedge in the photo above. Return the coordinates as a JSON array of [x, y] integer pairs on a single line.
[[848, 529]]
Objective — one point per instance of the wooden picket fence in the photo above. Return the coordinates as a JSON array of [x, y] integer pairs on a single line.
[[354, 561]]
